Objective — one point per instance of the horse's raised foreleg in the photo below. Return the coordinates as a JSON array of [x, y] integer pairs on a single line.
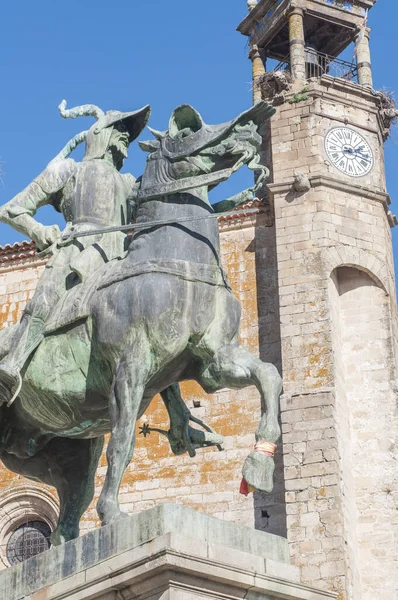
[[127, 392], [69, 466], [235, 367]]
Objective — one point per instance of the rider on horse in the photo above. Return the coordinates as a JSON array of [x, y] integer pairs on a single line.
[[91, 194]]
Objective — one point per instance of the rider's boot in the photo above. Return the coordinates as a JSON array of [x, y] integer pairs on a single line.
[[27, 338], [9, 380], [181, 436]]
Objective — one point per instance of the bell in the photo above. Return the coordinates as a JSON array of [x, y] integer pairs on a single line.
[[313, 65]]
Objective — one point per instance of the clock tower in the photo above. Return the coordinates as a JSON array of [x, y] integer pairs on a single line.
[[337, 487]]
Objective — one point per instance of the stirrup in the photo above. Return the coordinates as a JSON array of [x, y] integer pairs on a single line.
[[10, 378], [16, 393]]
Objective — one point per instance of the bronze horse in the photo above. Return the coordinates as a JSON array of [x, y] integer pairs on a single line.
[[163, 314]]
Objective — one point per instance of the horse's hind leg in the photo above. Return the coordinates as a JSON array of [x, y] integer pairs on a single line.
[[77, 464], [235, 367], [69, 466], [127, 392]]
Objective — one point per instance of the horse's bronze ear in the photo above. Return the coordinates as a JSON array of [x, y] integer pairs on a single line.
[[159, 135], [184, 116], [150, 146]]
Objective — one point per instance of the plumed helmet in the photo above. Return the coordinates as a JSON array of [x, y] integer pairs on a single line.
[[98, 136]]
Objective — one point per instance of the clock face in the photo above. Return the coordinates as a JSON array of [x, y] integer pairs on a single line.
[[349, 151]]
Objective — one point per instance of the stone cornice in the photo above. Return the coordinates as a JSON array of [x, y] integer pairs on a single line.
[[358, 190], [286, 187], [319, 7], [254, 16], [336, 184], [241, 220], [19, 256], [24, 263], [337, 84]]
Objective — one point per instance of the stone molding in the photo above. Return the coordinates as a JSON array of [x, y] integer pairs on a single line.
[[321, 396], [241, 221], [24, 263], [334, 183], [173, 567], [263, 6], [23, 503]]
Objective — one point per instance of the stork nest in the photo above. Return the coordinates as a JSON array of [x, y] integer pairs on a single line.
[[274, 84], [388, 110]]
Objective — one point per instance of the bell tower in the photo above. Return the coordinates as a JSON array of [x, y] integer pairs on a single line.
[[336, 286]]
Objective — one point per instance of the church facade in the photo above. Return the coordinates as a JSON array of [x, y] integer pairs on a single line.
[[313, 269]]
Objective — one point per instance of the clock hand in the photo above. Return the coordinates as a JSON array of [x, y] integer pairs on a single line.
[[364, 156], [356, 146]]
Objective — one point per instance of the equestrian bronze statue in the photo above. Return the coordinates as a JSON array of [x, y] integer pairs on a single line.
[[117, 319]]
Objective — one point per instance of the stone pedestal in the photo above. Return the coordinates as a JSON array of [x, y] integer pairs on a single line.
[[167, 553]]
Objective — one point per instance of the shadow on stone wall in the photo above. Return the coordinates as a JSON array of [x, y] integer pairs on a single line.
[[269, 509]]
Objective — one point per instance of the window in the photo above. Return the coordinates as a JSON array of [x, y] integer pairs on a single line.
[[28, 540], [28, 515]]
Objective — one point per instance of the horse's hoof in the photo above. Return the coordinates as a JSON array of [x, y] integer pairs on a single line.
[[57, 538], [114, 518], [258, 470]]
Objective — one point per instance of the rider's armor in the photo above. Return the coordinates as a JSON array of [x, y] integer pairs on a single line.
[[91, 195]]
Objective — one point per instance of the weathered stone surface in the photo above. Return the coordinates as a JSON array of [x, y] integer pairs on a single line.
[[338, 331], [141, 528], [169, 552]]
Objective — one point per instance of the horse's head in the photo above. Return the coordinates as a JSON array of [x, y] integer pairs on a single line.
[[192, 154]]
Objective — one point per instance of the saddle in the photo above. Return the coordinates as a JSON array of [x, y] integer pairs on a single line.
[[75, 304]]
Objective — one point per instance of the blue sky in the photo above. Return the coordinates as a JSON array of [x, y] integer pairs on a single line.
[[125, 54]]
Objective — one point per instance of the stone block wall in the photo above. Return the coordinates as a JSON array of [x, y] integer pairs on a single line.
[[369, 401], [19, 274], [335, 233], [20, 270], [312, 472], [298, 132]]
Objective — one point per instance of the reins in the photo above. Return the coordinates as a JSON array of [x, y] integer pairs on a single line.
[[149, 224]]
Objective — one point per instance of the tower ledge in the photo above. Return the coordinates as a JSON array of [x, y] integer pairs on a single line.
[[266, 10]]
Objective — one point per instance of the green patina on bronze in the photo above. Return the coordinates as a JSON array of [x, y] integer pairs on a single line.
[[116, 320]]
